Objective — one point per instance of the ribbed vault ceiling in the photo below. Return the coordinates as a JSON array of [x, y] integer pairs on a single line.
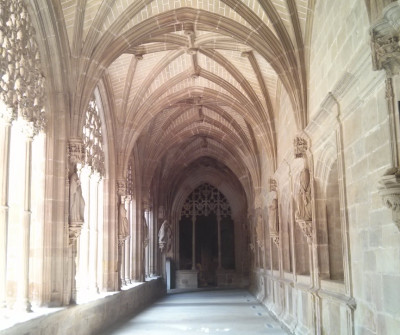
[[192, 79]]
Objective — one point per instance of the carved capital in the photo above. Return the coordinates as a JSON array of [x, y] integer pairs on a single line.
[[389, 190], [386, 54], [300, 147], [76, 151], [7, 115], [385, 41], [29, 129]]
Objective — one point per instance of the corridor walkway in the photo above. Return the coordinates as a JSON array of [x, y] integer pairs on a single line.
[[231, 312]]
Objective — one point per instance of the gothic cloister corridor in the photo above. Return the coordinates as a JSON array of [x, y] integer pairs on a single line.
[[157, 145]]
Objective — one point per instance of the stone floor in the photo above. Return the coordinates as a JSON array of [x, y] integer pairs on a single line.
[[231, 312]]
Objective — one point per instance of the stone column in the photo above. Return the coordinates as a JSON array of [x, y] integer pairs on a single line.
[[5, 127], [145, 243], [22, 302], [148, 240], [194, 242], [153, 243], [93, 236], [123, 229], [219, 241], [128, 243], [83, 274]]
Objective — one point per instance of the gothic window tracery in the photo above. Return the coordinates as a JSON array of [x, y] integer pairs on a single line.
[[21, 78], [93, 139], [204, 200]]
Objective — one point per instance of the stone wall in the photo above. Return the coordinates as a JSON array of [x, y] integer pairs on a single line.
[[95, 316], [353, 252]]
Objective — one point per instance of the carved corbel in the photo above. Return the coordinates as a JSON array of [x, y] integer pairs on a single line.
[[389, 190], [76, 151]]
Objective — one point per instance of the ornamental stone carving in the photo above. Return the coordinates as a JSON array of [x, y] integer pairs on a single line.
[[21, 79], [121, 187], [303, 198], [145, 232], [76, 208], [129, 181], [76, 201], [386, 54], [204, 200], [93, 139], [306, 228], [260, 231], [303, 214], [165, 237], [123, 233], [273, 219], [389, 190], [385, 44], [76, 151], [300, 147]]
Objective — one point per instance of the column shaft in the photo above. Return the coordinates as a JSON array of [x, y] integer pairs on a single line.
[[219, 242], [23, 287], [194, 242], [5, 128]]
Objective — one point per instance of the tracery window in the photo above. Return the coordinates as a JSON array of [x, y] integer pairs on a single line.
[[93, 139], [211, 231], [204, 200]]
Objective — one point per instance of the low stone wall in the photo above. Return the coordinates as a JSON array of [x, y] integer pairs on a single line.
[[95, 316]]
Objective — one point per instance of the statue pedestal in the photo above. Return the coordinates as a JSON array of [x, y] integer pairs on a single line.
[[186, 279]]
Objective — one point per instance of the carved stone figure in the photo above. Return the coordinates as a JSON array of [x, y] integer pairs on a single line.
[[123, 222], [273, 217], [260, 231], [303, 201], [76, 201], [145, 232], [165, 237]]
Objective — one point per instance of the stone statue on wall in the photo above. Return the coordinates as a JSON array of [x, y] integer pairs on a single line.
[[165, 237], [273, 217], [76, 201], [145, 232], [303, 200], [260, 231], [123, 222]]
